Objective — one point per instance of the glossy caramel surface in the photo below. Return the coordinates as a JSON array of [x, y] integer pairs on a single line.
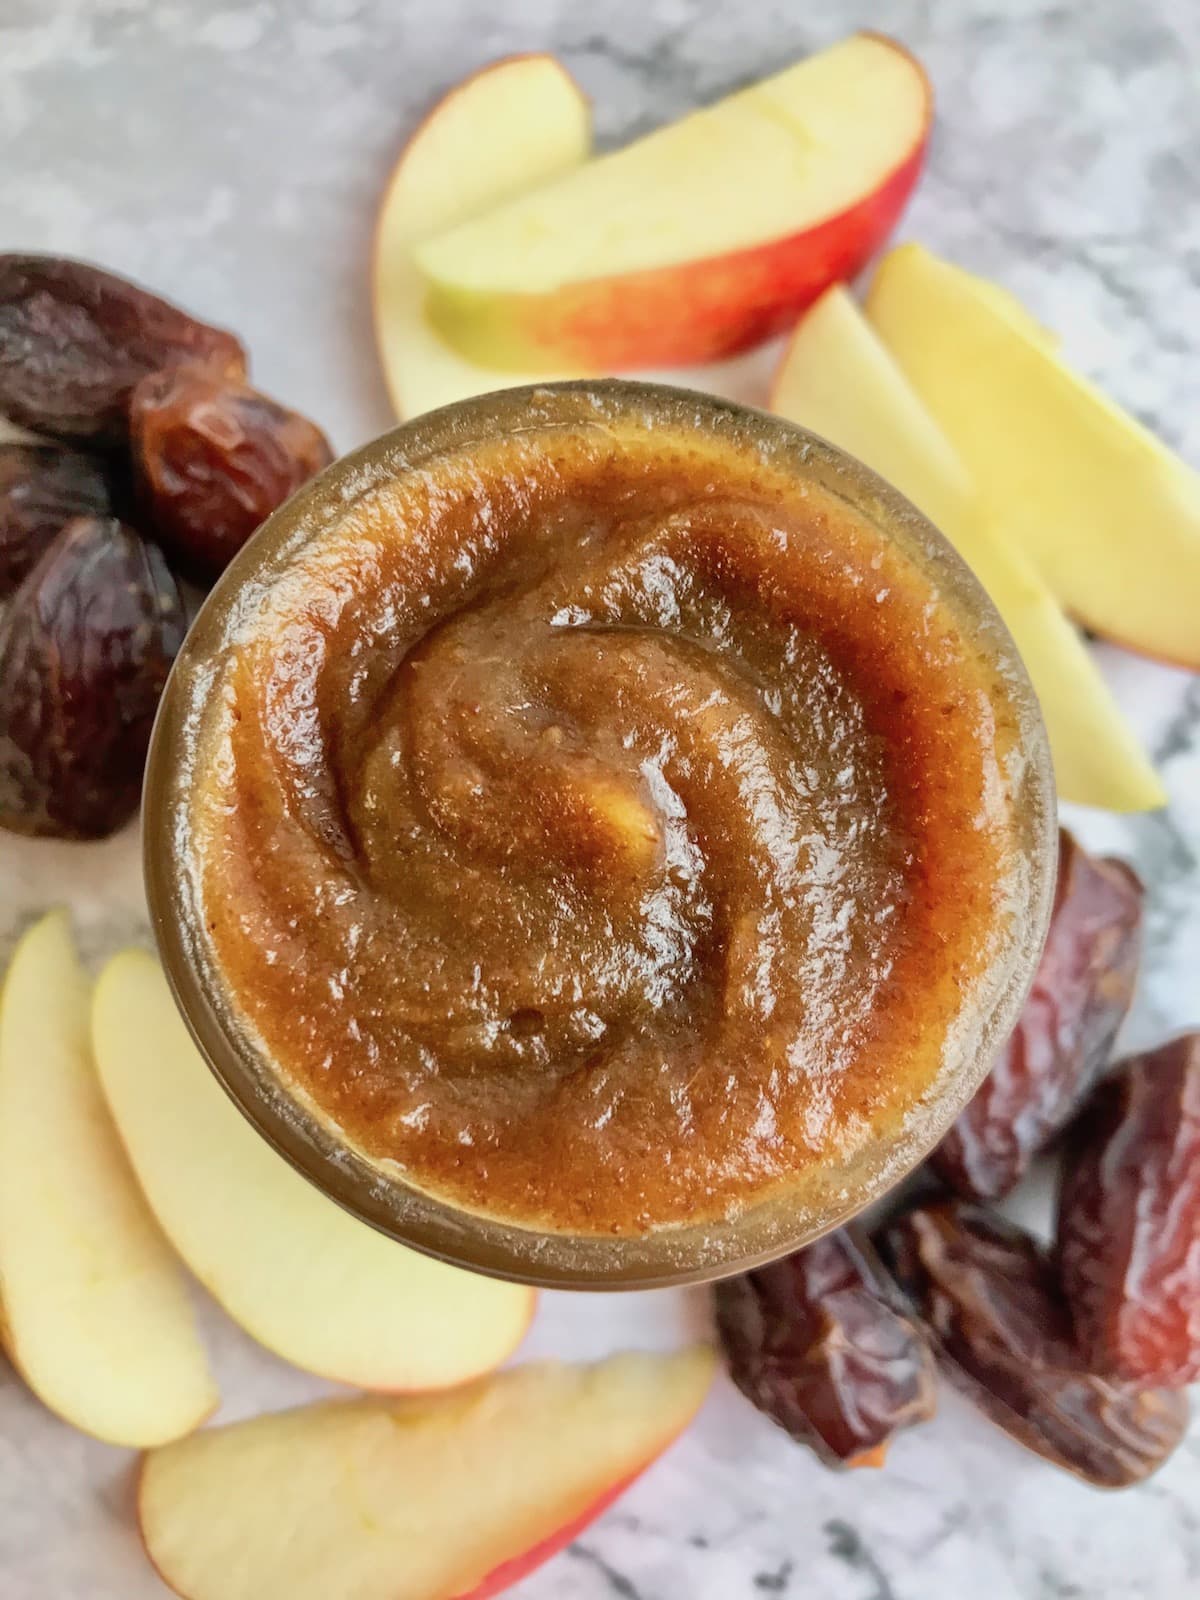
[[605, 825]]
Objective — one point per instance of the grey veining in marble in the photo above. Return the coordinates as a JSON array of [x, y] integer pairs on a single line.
[[232, 156]]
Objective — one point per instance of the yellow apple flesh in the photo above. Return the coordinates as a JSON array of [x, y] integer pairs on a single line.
[[1005, 304], [515, 124], [1107, 514], [701, 238], [839, 380], [836, 379], [96, 1311], [304, 1278], [422, 1499]]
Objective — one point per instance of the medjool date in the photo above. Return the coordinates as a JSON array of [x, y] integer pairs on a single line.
[[74, 340], [41, 488], [213, 460], [1129, 1219], [1003, 1335], [1080, 994], [820, 1344], [85, 647]]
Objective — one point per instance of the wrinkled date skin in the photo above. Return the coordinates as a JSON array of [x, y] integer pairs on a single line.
[[1080, 994], [1003, 1335], [819, 1342], [1129, 1219], [85, 647], [213, 460], [41, 488], [74, 341]]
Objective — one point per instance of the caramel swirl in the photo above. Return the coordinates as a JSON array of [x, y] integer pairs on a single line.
[[604, 825]]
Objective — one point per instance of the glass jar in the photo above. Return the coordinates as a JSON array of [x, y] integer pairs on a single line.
[[379, 1190]]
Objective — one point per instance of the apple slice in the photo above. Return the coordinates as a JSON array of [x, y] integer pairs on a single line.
[[511, 126], [419, 1499], [96, 1312], [701, 238], [1104, 510], [304, 1278], [1005, 304], [839, 380]]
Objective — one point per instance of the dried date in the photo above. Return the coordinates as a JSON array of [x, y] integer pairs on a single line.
[[213, 460], [1129, 1219], [85, 647], [1003, 1335], [819, 1342], [41, 488], [1080, 994], [74, 340]]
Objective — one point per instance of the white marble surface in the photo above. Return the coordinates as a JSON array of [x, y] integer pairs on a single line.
[[232, 157]]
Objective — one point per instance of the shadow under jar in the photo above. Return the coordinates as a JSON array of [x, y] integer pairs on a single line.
[[599, 834]]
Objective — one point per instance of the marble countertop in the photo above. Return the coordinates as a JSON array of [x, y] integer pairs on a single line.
[[232, 158]]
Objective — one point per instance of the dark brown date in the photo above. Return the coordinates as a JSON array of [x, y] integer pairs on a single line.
[[1080, 995], [1003, 1335], [213, 460], [41, 488], [819, 1342], [1129, 1219], [85, 647], [75, 339]]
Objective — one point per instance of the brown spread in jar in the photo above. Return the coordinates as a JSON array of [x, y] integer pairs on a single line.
[[604, 824]]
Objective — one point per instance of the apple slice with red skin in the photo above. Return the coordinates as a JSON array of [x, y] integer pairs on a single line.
[[700, 239], [520, 1566], [512, 125], [425, 1498]]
